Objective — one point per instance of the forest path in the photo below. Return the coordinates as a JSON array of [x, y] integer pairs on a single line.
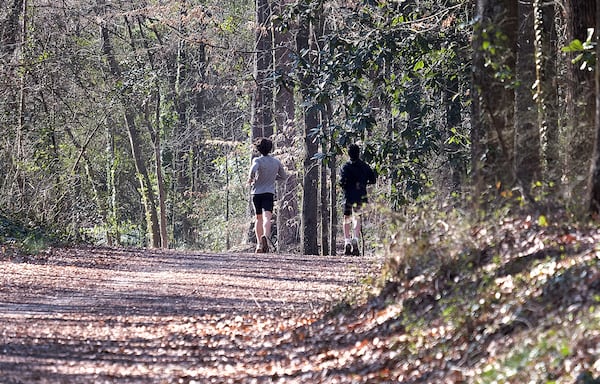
[[104, 315]]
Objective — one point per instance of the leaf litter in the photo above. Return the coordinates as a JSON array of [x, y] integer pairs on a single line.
[[518, 303]]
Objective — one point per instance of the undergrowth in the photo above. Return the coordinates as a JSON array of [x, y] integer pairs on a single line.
[[510, 299], [18, 239]]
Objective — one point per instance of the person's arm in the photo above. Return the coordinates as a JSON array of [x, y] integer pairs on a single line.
[[343, 176], [252, 173]]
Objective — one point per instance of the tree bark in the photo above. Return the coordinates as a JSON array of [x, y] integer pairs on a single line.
[[492, 113], [546, 91], [284, 110], [526, 138], [10, 28], [333, 174], [160, 183], [579, 93], [155, 136], [333, 221], [262, 102], [22, 78], [594, 178], [325, 207], [112, 216], [309, 237]]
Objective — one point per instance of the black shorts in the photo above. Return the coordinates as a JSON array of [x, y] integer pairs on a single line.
[[350, 208], [263, 202]]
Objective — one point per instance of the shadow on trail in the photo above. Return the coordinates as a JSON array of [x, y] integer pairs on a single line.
[[93, 315], [148, 282]]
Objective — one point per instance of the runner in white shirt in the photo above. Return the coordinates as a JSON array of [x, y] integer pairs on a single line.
[[264, 172]]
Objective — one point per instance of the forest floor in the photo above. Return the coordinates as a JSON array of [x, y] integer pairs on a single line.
[[107, 315]]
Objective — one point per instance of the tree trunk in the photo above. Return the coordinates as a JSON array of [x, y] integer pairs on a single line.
[[261, 117], [262, 102], [189, 99], [155, 136], [287, 216], [526, 137], [594, 179], [160, 183], [333, 173], [492, 114], [579, 93], [10, 35], [546, 91], [112, 216], [10, 28], [309, 191], [452, 102], [136, 148], [22, 78], [579, 15], [182, 181], [325, 235], [311, 170]]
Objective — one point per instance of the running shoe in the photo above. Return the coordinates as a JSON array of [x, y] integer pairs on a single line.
[[264, 246], [355, 250]]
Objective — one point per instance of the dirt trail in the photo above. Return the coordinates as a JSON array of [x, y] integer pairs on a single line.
[[131, 316]]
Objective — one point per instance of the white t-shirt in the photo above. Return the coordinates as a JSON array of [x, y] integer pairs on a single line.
[[263, 173]]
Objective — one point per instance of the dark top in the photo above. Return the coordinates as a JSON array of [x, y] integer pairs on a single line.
[[354, 177]]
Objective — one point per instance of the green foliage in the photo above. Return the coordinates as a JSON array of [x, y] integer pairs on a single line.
[[74, 169], [386, 54], [26, 239], [497, 54], [586, 51]]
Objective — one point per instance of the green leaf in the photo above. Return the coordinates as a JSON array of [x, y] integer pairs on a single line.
[[574, 46], [419, 65]]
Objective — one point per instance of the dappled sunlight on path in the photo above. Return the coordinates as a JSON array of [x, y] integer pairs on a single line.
[[115, 315]]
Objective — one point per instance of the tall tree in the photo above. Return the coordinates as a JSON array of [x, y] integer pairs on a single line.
[[492, 113], [452, 102], [23, 73], [310, 183], [594, 178], [284, 111], [262, 100], [579, 96], [526, 135], [546, 89], [135, 140], [261, 117]]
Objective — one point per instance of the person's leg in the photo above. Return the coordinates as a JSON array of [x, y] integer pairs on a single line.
[[356, 227], [267, 204], [258, 231], [356, 224], [258, 224], [266, 231], [347, 224], [267, 216]]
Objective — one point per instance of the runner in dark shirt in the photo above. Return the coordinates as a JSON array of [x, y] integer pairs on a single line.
[[354, 177]]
